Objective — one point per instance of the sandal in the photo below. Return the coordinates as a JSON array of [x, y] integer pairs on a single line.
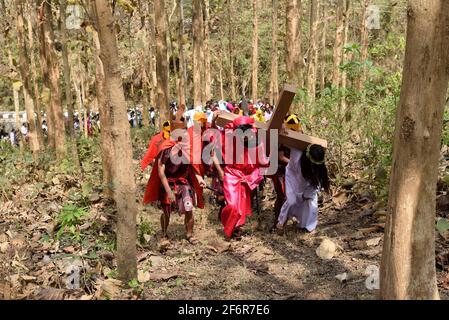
[[192, 240]]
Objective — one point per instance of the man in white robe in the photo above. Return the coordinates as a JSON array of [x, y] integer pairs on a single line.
[[301, 197]]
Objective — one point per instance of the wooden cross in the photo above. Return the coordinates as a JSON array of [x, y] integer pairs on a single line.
[[289, 138]]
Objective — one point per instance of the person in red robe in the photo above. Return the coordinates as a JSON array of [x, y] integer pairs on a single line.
[[154, 144], [172, 184], [240, 178]]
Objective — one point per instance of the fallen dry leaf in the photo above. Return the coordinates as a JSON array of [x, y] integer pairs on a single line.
[[326, 250], [108, 288], [51, 294], [162, 276], [373, 242], [143, 276]]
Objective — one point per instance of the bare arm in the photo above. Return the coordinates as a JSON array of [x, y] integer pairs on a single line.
[[200, 180], [283, 158], [218, 167], [164, 180]]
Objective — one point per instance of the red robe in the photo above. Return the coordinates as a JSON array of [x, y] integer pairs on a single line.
[[196, 150], [239, 181], [152, 192], [153, 150]]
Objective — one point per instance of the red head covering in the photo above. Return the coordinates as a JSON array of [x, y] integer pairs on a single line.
[[243, 120]]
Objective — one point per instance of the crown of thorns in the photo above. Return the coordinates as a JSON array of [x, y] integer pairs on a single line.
[[309, 156]]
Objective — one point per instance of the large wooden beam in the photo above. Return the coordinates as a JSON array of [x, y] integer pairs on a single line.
[[289, 138], [227, 117], [282, 107], [299, 140]]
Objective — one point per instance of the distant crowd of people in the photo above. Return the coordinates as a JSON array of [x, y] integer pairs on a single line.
[[260, 111]]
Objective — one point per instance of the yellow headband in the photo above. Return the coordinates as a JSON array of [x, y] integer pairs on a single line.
[[166, 128], [309, 156], [200, 116], [296, 125]]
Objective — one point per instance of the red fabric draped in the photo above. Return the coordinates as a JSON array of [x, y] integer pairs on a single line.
[[153, 150], [152, 191]]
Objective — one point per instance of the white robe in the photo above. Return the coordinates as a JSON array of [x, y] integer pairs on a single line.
[[305, 211]]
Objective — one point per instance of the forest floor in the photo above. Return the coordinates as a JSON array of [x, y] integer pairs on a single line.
[[35, 263]]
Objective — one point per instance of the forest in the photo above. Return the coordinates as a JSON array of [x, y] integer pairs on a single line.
[[98, 96]]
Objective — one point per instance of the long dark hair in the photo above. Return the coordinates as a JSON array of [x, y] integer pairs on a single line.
[[313, 167]]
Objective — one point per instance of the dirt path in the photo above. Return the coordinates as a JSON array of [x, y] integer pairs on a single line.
[[36, 265]]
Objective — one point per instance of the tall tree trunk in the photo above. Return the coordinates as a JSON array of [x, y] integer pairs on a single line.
[[338, 44], [323, 47], [231, 49], [37, 106], [171, 43], [182, 62], [274, 92], [25, 72], [16, 89], [67, 81], [107, 147], [255, 54], [313, 49], [207, 71], [197, 48], [145, 82], [124, 184], [161, 60], [408, 256], [293, 41], [363, 45], [220, 57], [345, 58], [53, 72], [45, 76], [152, 62]]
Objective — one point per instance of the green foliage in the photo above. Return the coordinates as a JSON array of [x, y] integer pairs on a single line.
[[112, 274], [445, 137], [358, 124], [442, 226], [145, 228], [69, 220]]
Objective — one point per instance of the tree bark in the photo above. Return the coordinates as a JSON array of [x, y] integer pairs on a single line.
[[107, 147], [197, 48], [323, 47], [408, 258], [53, 79], [37, 106], [274, 92], [67, 81], [207, 71], [363, 45], [182, 62], [24, 72], [293, 42], [338, 44], [345, 57], [220, 57], [231, 50], [16, 88], [144, 80], [161, 60], [45, 77], [255, 53], [313, 49], [124, 184], [152, 62]]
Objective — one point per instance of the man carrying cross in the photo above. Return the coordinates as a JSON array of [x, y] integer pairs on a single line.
[[290, 138]]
